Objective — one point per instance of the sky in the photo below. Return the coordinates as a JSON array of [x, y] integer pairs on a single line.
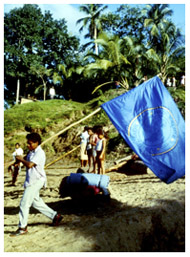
[[71, 14]]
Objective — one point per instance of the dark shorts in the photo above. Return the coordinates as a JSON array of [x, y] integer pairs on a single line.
[[89, 152], [98, 156]]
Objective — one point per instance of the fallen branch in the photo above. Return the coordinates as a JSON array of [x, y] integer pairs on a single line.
[[123, 159], [116, 167], [119, 163]]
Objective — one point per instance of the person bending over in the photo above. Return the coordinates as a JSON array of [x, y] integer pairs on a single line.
[[82, 186]]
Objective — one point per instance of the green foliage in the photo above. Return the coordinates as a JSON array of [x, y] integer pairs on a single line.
[[114, 140], [156, 19], [132, 43], [33, 41], [116, 144], [178, 95]]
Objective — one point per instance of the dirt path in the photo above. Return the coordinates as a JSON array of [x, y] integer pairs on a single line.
[[144, 214]]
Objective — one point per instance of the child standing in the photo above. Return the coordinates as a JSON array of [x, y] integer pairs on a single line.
[[15, 168], [94, 142], [83, 154], [100, 150], [35, 180], [18, 151], [89, 149]]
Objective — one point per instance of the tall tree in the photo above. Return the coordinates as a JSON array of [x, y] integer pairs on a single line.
[[156, 17], [43, 73], [170, 56], [29, 38], [129, 22], [92, 20], [21, 40]]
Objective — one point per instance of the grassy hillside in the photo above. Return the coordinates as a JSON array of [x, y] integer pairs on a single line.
[[38, 115], [51, 116]]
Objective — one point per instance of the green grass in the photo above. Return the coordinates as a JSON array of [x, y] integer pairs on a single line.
[[38, 115], [48, 118]]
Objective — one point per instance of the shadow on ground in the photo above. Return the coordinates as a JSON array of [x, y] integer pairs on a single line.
[[117, 227]]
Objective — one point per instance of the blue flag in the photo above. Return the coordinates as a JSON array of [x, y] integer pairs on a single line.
[[152, 125]]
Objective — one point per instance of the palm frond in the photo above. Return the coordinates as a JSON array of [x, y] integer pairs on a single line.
[[106, 83], [38, 89], [57, 78]]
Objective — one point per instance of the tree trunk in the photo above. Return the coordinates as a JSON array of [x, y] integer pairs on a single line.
[[17, 91], [45, 89], [95, 37]]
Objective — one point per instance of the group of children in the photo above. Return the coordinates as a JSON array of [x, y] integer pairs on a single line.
[[93, 148]]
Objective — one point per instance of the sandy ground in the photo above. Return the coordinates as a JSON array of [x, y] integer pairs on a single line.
[[143, 215]]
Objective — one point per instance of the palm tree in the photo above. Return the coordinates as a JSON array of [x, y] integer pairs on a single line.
[[156, 19], [171, 51], [62, 73], [114, 59], [92, 20]]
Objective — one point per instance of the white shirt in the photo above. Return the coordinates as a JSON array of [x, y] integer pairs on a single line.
[[99, 145], [18, 151], [84, 137], [37, 172], [52, 91], [183, 80]]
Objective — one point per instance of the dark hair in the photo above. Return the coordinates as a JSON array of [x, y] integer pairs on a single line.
[[17, 144], [34, 137], [64, 188], [85, 128], [100, 131], [80, 171]]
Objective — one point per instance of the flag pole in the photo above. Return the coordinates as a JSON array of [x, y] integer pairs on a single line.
[[62, 131], [61, 157], [71, 125]]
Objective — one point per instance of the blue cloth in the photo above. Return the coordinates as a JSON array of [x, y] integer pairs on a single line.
[[74, 178], [152, 125], [101, 181]]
